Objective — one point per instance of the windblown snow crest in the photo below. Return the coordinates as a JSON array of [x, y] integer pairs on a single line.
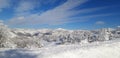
[[29, 38]]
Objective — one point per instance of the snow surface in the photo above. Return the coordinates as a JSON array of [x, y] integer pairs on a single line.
[[110, 49]]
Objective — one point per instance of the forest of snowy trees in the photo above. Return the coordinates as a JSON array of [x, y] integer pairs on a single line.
[[29, 38]]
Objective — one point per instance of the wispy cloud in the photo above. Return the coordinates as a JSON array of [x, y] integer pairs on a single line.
[[4, 4], [1, 21], [100, 23], [53, 16], [25, 6], [59, 15]]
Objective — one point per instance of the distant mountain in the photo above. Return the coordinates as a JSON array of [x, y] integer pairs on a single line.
[[30, 38]]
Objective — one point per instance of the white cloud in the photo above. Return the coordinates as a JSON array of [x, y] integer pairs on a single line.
[[100, 23], [25, 6], [4, 4], [1, 21], [57, 15], [118, 26]]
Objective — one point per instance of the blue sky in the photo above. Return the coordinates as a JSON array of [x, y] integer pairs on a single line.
[[68, 14]]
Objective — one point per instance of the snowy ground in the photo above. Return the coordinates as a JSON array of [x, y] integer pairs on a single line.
[[110, 49]]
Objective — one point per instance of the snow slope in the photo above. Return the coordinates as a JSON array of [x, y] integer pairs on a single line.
[[110, 49]]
